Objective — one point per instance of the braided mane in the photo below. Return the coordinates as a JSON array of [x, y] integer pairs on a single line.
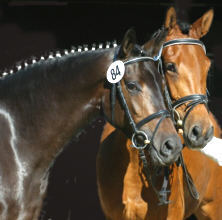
[[55, 55]]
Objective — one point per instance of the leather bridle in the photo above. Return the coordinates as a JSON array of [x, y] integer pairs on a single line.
[[162, 114], [117, 88], [192, 100]]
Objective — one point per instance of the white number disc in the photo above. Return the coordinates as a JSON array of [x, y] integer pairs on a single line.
[[115, 71]]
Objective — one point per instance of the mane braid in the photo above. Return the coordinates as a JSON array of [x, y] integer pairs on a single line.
[[55, 55]]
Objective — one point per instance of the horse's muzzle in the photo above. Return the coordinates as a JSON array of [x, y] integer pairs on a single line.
[[168, 152], [197, 138]]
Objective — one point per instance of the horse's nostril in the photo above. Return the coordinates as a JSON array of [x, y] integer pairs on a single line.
[[168, 147], [196, 132], [198, 138]]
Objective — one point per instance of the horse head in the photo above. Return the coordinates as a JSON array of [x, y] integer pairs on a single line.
[[139, 109], [186, 66]]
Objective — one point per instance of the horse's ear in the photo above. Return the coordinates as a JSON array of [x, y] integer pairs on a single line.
[[153, 46], [171, 18], [202, 25], [127, 44]]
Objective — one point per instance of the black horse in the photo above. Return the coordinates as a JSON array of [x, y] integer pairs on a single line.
[[44, 104]]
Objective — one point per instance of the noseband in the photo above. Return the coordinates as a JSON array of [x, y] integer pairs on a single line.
[[193, 100]]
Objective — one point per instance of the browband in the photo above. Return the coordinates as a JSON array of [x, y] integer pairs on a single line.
[[185, 41], [138, 59]]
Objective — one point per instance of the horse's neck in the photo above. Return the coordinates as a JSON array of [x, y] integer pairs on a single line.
[[41, 107], [135, 173], [44, 112]]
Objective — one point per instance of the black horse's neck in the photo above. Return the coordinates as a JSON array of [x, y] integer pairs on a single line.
[[49, 100], [41, 108]]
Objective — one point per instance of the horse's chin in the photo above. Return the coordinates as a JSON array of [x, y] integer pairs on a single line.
[[159, 161], [195, 146]]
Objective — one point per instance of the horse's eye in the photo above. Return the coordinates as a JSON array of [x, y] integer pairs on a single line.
[[171, 67], [133, 87]]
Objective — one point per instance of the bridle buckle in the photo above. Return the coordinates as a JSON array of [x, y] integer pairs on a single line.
[[137, 135]]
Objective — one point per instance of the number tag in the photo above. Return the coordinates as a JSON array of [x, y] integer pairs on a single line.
[[115, 71]]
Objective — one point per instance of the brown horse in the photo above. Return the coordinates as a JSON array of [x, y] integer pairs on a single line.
[[189, 64], [44, 103], [124, 191]]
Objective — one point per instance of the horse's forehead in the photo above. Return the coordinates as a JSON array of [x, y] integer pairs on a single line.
[[134, 71], [191, 70], [183, 53], [192, 66], [175, 33], [145, 73], [188, 55]]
